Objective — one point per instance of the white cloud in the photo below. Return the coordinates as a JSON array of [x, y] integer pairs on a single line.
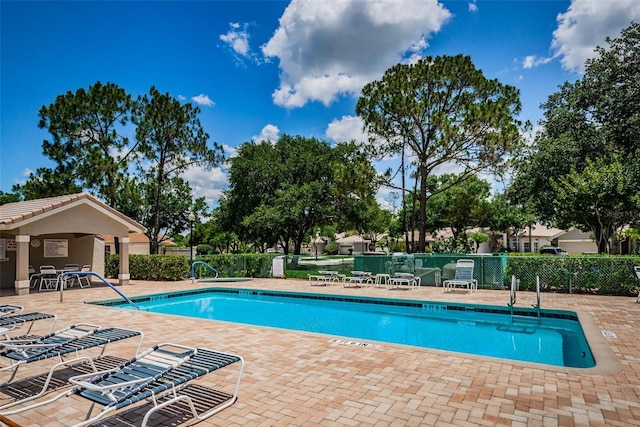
[[346, 129], [334, 47], [26, 173], [531, 61], [229, 151], [389, 199], [207, 183], [237, 39], [269, 133], [586, 24], [473, 7], [203, 100]]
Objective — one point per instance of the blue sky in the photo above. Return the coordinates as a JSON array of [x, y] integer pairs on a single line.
[[258, 69]]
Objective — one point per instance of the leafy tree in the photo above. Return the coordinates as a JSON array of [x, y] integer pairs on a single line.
[[602, 198], [452, 245], [441, 111], [170, 139], [459, 207], [477, 238], [509, 217], [593, 121], [46, 182], [9, 197], [87, 145], [279, 193]]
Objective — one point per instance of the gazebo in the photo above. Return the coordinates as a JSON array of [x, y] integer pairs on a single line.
[[57, 230]]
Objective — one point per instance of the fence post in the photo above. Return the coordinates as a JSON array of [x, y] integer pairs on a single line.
[[570, 278]]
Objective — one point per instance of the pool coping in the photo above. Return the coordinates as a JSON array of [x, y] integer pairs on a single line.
[[605, 359]]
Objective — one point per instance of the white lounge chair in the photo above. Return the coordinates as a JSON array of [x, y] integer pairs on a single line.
[[33, 348], [157, 377], [15, 323], [10, 309], [463, 277], [68, 346]]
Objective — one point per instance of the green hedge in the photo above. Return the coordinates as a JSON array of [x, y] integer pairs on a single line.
[[177, 267], [604, 275], [150, 267]]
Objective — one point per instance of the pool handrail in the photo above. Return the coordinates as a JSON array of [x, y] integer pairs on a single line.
[[537, 306], [193, 278], [62, 278], [512, 299]]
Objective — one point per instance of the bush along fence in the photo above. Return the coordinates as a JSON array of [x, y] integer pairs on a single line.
[[604, 275], [177, 267]]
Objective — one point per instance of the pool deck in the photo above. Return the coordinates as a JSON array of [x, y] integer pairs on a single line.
[[302, 379]]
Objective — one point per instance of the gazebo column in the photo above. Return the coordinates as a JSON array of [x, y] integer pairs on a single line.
[[22, 264], [124, 276]]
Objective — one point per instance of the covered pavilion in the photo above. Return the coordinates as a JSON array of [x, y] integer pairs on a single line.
[[59, 230]]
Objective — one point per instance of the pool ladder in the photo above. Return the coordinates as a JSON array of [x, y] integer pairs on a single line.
[[512, 301]]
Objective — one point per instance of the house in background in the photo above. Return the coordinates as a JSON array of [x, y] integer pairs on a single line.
[[355, 244], [138, 245], [575, 241], [531, 239], [534, 238]]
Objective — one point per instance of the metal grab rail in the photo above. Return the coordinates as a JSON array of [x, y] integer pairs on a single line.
[[193, 278], [62, 278], [537, 306], [512, 298]]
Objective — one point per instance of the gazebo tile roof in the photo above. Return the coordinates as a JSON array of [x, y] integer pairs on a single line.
[[13, 213]]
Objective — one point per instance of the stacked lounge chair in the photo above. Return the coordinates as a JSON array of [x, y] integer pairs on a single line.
[[16, 322], [68, 346], [9, 309], [157, 375]]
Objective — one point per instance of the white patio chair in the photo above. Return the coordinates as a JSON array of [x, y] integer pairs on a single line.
[[48, 278], [84, 279], [463, 276]]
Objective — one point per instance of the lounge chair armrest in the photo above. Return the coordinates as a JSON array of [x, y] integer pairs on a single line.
[[104, 388], [26, 344]]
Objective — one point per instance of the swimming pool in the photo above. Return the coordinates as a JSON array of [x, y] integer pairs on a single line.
[[485, 330]]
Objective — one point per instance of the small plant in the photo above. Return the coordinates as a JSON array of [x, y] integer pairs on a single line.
[[331, 248]]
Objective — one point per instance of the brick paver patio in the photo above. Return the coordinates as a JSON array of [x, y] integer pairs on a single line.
[[302, 379]]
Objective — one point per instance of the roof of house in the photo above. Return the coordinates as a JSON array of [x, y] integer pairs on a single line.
[[12, 214], [352, 239], [539, 230]]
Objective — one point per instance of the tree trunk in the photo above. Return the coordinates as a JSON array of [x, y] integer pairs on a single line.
[[404, 204], [422, 240]]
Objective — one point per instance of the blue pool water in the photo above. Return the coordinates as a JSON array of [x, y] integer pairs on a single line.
[[476, 329]]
